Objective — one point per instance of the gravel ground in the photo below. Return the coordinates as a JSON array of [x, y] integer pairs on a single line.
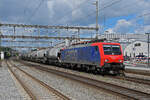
[[132, 85], [70, 88], [39, 91], [8, 89], [138, 76]]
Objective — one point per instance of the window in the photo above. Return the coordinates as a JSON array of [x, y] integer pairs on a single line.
[[137, 44], [112, 50], [107, 49]]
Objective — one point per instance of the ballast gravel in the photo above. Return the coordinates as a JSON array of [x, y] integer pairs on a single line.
[[8, 89], [39, 91], [124, 83], [138, 76], [74, 90]]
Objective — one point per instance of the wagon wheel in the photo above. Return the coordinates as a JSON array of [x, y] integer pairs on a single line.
[[121, 73]]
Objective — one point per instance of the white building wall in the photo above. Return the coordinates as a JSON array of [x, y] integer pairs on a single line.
[[132, 50]]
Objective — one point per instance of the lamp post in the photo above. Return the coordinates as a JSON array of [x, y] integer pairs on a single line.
[[148, 47]]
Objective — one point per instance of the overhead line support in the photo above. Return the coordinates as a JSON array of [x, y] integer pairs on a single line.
[[24, 47], [49, 27], [41, 37]]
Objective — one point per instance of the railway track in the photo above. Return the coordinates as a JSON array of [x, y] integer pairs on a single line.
[[108, 87], [133, 79], [139, 72], [29, 91]]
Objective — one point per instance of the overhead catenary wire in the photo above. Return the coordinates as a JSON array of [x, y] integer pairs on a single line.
[[131, 5], [36, 9], [79, 6], [111, 4], [139, 16], [71, 11], [145, 14], [25, 9], [68, 12], [107, 6]]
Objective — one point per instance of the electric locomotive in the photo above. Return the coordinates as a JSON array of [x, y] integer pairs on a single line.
[[97, 57]]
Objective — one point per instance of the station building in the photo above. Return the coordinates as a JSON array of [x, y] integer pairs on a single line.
[[136, 48]]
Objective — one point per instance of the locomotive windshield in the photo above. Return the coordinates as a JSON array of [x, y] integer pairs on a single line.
[[112, 50]]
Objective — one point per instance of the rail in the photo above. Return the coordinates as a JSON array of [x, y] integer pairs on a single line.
[[43, 84], [111, 88], [32, 97]]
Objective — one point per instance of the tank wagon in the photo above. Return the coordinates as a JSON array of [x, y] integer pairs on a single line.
[[33, 55], [52, 55], [40, 55], [98, 57]]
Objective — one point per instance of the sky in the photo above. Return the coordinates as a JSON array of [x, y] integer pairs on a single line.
[[120, 16], [115, 16]]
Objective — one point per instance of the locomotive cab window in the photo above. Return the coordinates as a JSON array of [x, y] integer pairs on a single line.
[[112, 49]]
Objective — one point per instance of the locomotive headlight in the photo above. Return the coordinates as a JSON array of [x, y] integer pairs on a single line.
[[120, 60], [106, 60]]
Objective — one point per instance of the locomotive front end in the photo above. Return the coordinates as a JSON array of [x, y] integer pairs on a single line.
[[112, 58]]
